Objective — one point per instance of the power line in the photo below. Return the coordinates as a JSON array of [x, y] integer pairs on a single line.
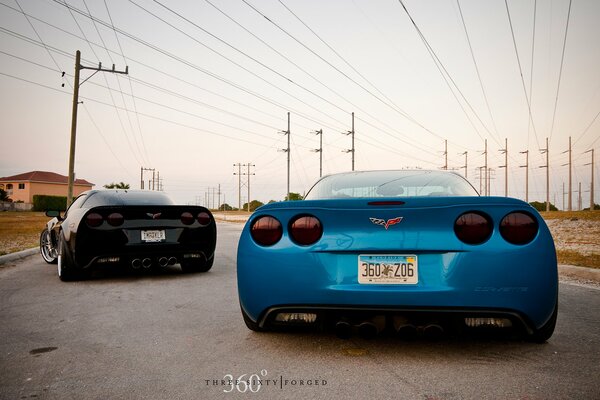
[[562, 60]]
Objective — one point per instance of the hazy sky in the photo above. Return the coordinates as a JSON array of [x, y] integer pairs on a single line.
[[211, 82]]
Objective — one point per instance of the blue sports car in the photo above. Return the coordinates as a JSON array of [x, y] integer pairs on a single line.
[[412, 252]]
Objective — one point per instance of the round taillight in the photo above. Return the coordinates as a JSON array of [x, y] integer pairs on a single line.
[[473, 227], [266, 231], [115, 219], [519, 227], [306, 230], [94, 220], [187, 218], [203, 218]]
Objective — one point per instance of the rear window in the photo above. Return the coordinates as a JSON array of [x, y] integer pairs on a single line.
[[127, 198], [369, 184]]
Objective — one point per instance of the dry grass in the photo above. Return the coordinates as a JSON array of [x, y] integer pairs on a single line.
[[572, 257], [580, 215], [20, 230]]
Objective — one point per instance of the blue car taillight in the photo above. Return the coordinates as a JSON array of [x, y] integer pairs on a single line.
[[266, 230], [473, 227], [519, 228], [305, 230]]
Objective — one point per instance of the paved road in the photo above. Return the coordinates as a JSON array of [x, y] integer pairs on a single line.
[[175, 336]]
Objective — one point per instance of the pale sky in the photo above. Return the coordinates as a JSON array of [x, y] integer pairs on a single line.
[[211, 82]]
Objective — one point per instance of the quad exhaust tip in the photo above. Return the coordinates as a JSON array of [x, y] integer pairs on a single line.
[[146, 263], [136, 263], [163, 261]]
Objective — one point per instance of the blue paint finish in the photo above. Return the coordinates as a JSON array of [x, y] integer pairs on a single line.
[[492, 275]]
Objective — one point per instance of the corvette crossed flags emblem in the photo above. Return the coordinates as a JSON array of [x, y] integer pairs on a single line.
[[384, 223]]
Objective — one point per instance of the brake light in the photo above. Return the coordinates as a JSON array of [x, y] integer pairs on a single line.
[[204, 218], [266, 230], [187, 218], [473, 227], [94, 220], [306, 230], [519, 228], [115, 219]]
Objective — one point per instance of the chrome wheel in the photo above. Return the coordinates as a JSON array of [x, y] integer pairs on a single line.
[[47, 251]]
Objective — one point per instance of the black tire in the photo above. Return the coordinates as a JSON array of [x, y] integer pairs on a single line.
[[545, 332], [253, 326], [195, 266], [66, 266], [47, 250]]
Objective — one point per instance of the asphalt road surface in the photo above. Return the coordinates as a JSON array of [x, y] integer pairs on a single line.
[[173, 336]]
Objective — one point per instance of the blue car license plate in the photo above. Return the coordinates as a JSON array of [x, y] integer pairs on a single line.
[[388, 269]]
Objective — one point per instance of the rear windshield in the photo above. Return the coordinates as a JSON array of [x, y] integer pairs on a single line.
[[127, 198], [370, 184]]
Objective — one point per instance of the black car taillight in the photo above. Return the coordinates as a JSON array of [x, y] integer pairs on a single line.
[[473, 227], [203, 218], [115, 219], [266, 230], [519, 227], [94, 220], [187, 218], [306, 230]]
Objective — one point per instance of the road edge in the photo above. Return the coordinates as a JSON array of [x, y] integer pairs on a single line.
[[18, 255]]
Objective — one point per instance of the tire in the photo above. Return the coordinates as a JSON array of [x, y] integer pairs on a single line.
[[192, 267], [545, 332], [47, 251], [66, 267], [253, 326]]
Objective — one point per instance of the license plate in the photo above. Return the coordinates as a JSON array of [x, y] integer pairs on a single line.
[[153, 236], [388, 269]]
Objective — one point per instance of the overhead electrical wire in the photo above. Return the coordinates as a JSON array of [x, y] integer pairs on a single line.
[[562, 61]]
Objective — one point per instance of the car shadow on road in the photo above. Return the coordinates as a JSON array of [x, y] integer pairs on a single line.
[[114, 273]]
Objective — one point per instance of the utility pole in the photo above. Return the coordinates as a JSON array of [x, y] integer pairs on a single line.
[[320, 150], [526, 166], [76, 86], [239, 174], [445, 155], [219, 193], [547, 166], [570, 164], [248, 180], [287, 150], [592, 184], [465, 166], [142, 169], [505, 166], [564, 207], [352, 149], [579, 198], [485, 168]]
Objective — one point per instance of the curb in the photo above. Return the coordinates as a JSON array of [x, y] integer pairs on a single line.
[[18, 255], [572, 271]]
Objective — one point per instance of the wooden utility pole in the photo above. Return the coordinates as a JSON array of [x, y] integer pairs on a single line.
[[287, 150], [465, 166], [76, 85], [592, 183], [526, 166], [352, 134], [248, 181], [505, 166], [239, 174], [445, 154], [320, 150], [547, 166]]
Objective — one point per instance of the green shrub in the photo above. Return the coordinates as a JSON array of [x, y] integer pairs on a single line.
[[43, 203]]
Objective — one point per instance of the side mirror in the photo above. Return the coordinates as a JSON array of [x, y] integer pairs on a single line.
[[53, 214]]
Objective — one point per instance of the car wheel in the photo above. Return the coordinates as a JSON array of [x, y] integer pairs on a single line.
[[194, 266], [66, 266], [47, 251], [253, 326], [545, 332]]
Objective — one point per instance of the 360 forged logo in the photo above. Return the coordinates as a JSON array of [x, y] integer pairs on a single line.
[[254, 382], [384, 223]]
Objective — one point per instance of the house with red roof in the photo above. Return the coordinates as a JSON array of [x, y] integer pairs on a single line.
[[23, 187]]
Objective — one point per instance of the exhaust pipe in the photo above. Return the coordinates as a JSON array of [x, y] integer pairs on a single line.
[[371, 328], [147, 263], [343, 329], [404, 329], [172, 261], [136, 263], [433, 331], [163, 261]]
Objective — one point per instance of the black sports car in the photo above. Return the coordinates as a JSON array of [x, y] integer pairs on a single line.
[[142, 229]]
